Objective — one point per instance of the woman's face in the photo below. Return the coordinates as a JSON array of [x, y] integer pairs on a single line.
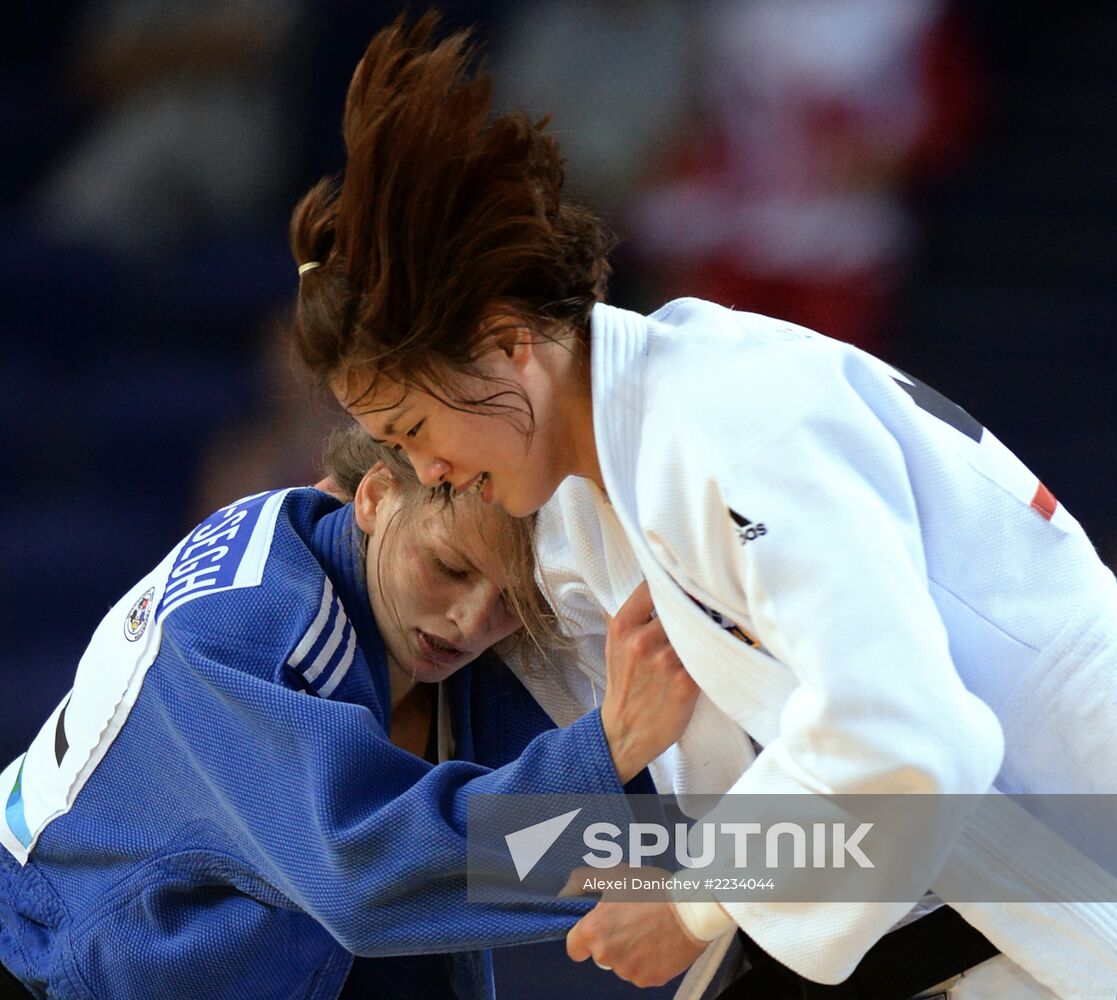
[[436, 579], [509, 454]]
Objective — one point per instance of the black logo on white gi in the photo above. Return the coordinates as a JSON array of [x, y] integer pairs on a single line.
[[61, 743], [746, 530]]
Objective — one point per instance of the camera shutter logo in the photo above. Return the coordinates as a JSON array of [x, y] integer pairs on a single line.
[[528, 845]]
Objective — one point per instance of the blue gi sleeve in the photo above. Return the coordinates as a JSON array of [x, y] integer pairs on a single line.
[[363, 836]]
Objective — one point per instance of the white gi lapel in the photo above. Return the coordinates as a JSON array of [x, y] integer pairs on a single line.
[[704, 647], [618, 354]]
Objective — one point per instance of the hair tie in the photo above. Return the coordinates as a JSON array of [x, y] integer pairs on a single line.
[[310, 265]]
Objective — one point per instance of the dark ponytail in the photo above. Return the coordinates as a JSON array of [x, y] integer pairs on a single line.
[[443, 211]]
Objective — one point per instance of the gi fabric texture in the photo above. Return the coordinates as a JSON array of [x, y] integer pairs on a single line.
[[216, 810], [866, 584]]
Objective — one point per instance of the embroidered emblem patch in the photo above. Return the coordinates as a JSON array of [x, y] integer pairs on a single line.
[[138, 616]]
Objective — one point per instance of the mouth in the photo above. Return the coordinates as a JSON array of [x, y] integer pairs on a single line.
[[437, 650], [476, 485]]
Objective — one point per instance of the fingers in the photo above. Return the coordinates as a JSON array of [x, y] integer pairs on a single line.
[[649, 696], [577, 941], [638, 608], [648, 648], [639, 942], [642, 634]]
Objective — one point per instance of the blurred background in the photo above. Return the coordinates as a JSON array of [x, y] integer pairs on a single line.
[[932, 180]]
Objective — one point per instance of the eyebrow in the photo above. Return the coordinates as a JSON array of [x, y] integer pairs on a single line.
[[389, 430]]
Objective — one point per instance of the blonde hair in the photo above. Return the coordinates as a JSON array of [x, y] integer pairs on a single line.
[[350, 453]]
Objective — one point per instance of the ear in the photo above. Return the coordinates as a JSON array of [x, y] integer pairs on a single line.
[[506, 332], [376, 484]]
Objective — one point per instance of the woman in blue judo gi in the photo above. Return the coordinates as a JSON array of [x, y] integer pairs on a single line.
[[240, 793]]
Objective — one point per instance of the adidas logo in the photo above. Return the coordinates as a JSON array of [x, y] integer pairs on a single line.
[[746, 530]]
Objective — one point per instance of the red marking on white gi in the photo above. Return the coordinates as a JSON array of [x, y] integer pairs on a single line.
[[1044, 501]]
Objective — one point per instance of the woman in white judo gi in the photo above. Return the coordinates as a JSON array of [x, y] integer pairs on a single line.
[[873, 593]]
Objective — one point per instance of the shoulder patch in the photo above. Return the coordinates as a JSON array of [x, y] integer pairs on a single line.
[[139, 614], [225, 552]]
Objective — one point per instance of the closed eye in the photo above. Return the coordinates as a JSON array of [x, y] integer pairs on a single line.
[[452, 571], [415, 430]]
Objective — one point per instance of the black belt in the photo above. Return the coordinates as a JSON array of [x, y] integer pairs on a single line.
[[901, 964]]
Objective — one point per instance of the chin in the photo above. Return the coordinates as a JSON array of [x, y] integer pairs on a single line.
[[427, 672], [532, 494], [518, 506]]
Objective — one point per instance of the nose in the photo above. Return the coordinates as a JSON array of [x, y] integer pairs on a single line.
[[431, 471], [481, 615]]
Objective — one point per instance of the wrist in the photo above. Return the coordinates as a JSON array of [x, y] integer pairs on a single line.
[[621, 749], [624, 763]]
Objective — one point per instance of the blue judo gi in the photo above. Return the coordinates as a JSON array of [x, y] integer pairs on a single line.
[[215, 810]]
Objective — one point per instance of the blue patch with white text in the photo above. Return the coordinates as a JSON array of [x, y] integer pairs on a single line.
[[221, 553]]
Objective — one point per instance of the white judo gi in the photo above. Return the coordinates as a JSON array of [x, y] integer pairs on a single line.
[[918, 613]]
